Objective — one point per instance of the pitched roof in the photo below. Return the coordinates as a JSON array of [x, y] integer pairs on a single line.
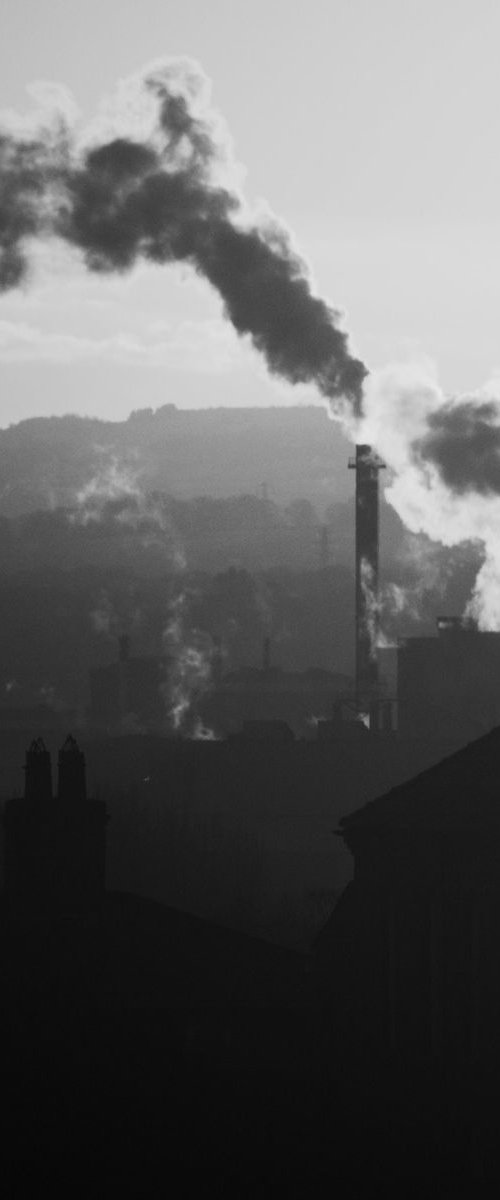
[[461, 790], [149, 955]]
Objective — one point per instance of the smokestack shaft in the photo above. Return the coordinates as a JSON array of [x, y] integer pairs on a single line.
[[367, 467]]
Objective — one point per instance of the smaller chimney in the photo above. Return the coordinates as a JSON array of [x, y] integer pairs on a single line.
[[38, 773], [55, 861], [72, 785]]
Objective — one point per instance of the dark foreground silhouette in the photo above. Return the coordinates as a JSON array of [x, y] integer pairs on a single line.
[[141, 1043], [163, 1044]]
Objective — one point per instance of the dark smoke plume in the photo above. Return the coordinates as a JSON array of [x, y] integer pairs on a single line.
[[159, 199], [463, 440], [28, 170]]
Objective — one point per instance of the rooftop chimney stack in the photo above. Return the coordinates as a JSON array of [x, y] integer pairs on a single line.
[[38, 773], [55, 852], [72, 784], [367, 465]]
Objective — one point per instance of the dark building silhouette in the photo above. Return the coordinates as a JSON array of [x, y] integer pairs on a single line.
[[299, 698], [232, 1051], [68, 944], [345, 724], [264, 731], [449, 685], [150, 1020], [408, 965], [55, 845], [407, 971]]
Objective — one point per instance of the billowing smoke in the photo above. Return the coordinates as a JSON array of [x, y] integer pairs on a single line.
[[444, 455], [463, 441], [156, 182]]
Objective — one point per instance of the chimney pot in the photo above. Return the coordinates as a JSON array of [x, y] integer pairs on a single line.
[[72, 784], [38, 773]]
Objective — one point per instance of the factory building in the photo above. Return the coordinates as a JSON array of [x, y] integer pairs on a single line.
[[270, 694], [449, 685]]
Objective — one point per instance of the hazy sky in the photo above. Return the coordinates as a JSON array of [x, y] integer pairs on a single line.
[[370, 126]]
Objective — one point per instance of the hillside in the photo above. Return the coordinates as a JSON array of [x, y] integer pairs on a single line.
[[46, 461]]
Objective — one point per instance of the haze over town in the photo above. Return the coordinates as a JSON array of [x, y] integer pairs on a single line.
[[250, 593]]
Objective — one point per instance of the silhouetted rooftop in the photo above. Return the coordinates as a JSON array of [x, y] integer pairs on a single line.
[[463, 789], [147, 954]]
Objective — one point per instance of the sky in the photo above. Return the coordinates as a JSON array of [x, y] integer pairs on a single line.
[[368, 126]]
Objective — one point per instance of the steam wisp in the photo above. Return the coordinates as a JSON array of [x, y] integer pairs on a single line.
[[444, 456], [189, 673]]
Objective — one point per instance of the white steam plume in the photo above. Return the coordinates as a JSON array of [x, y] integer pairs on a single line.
[[189, 655], [444, 458]]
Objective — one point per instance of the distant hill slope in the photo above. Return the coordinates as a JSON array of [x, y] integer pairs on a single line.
[[45, 461]]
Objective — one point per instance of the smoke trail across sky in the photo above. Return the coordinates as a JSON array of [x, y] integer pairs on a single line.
[[154, 180]]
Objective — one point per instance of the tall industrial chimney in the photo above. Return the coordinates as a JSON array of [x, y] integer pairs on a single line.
[[367, 465]]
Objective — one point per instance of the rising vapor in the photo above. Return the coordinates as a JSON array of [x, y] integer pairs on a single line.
[[154, 180], [444, 457], [158, 184]]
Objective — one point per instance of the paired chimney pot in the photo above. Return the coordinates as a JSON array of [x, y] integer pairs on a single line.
[[38, 772]]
